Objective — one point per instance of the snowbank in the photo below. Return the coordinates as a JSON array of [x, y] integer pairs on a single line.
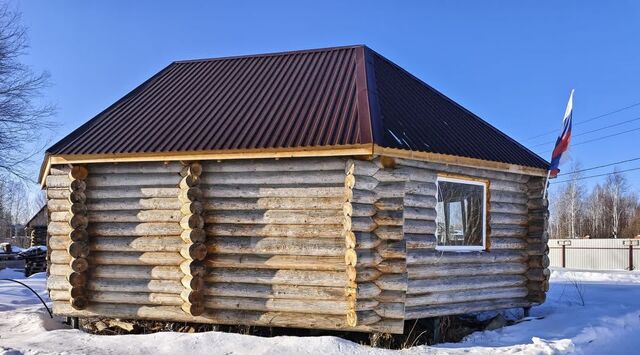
[[608, 321]]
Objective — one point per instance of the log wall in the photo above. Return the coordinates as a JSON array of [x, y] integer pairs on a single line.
[[447, 282], [331, 243]]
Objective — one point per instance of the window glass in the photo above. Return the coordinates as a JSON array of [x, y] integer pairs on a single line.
[[460, 214]]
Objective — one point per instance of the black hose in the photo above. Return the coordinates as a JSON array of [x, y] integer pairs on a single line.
[[34, 292]]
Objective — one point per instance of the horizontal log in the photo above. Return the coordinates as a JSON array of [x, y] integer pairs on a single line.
[[270, 191], [393, 310], [285, 277], [135, 272], [512, 208], [274, 291], [133, 229], [427, 257], [390, 175], [137, 168], [368, 258], [330, 307], [389, 204], [120, 229], [509, 186], [391, 249], [123, 258], [120, 285], [126, 244], [470, 269], [417, 174], [462, 170], [464, 283], [366, 240], [58, 181], [391, 296], [388, 189], [127, 191], [131, 179], [358, 209], [392, 266], [508, 231], [508, 243], [272, 165], [389, 218], [413, 226], [427, 214], [275, 178], [368, 274], [420, 201], [297, 320], [394, 282], [276, 246], [437, 298], [389, 232], [420, 241], [417, 312], [268, 203], [413, 187], [59, 170], [123, 216], [510, 219], [138, 298], [360, 196], [275, 217], [519, 198], [362, 224], [121, 204], [291, 262], [275, 230]]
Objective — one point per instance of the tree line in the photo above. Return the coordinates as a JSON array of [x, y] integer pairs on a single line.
[[610, 209]]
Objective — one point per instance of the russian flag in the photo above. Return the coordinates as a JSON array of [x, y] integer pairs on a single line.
[[562, 143]]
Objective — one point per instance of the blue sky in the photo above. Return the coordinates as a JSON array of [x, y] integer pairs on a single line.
[[512, 63]]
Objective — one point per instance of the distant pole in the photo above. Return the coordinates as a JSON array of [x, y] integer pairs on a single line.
[[546, 183]]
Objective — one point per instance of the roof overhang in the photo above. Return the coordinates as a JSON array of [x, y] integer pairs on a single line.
[[365, 150]]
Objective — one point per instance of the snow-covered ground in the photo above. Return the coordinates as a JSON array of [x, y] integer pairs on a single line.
[[608, 322]]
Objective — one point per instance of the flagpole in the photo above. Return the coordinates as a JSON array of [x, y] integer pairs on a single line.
[[546, 183]]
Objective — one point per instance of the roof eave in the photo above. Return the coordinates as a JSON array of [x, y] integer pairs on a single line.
[[459, 160], [297, 152]]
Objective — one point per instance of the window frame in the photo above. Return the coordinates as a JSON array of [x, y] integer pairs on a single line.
[[468, 181]]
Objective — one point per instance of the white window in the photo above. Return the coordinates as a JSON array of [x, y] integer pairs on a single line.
[[461, 215]]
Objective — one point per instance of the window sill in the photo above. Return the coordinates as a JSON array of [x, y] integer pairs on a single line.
[[460, 249]]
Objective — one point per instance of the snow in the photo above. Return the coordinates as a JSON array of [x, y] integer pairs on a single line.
[[608, 321], [14, 249], [35, 247]]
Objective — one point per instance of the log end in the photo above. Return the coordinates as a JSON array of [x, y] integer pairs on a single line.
[[79, 302]]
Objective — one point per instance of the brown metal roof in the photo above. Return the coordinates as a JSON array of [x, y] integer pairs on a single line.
[[315, 98]]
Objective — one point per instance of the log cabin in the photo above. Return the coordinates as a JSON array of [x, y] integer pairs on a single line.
[[326, 189]]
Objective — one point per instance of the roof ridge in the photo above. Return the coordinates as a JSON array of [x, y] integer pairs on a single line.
[[270, 54]]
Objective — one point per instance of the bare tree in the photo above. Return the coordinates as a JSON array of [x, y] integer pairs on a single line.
[[617, 186], [21, 115]]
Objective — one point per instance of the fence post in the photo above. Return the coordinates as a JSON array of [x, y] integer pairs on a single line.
[[564, 244], [630, 243]]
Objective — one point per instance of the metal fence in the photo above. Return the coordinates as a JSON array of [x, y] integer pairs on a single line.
[[595, 254]]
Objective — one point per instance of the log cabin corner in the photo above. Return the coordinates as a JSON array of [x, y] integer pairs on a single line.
[[325, 189]]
